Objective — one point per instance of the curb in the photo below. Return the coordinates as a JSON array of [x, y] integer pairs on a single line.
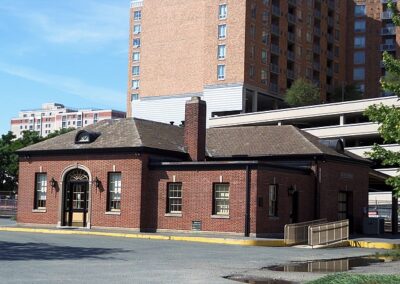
[[375, 245], [224, 241]]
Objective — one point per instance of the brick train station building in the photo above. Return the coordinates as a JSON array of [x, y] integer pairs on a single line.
[[149, 176]]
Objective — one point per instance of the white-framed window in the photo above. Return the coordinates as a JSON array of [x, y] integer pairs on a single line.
[[114, 192], [135, 70], [174, 200], [359, 73], [137, 29], [135, 84], [221, 51], [273, 200], [359, 57], [222, 11], [136, 56], [221, 199], [137, 15], [359, 42], [40, 190], [134, 97], [359, 10], [360, 26], [264, 56], [221, 72], [222, 31], [136, 42]]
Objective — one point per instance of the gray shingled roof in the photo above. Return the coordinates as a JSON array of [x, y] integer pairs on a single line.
[[121, 133], [251, 141]]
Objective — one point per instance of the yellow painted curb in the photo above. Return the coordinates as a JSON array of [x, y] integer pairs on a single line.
[[375, 245], [265, 243]]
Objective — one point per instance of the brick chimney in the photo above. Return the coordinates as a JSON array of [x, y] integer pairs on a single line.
[[195, 128]]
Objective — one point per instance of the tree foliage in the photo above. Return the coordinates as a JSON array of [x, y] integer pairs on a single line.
[[351, 93], [388, 117], [9, 159], [302, 93]]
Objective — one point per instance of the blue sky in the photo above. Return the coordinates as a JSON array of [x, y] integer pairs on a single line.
[[72, 52]]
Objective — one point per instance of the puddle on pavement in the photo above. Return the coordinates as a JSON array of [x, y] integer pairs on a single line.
[[327, 266], [260, 280]]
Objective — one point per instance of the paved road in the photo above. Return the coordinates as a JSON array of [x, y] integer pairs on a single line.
[[34, 258]]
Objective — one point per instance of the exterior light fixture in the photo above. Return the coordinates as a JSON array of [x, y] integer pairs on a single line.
[[53, 182], [291, 190], [96, 182]]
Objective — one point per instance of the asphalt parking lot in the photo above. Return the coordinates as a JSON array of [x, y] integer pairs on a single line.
[[34, 258]]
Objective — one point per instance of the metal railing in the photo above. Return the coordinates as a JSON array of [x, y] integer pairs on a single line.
[[297, 233], [328, 233], [8, 207]]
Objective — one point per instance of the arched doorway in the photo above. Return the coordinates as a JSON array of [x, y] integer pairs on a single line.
[[76, 198]]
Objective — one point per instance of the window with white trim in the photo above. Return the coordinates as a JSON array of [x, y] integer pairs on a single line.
[[114, 192], [222, 11], [137, 15], [137, 29], [221, 72], [221, 51], [222, 31], [135, 84], [136, 56], [40, 190], [136, 42], [174, 200], [135, 70], [221, 199]]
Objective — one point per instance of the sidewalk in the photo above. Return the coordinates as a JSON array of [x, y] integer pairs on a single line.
[[379, 242]]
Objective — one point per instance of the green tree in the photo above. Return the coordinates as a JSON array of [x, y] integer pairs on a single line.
[[350, 93], [388, 117], [302, 93], [9, 159]]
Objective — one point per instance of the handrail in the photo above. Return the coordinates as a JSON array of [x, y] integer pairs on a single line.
[[297, 233]]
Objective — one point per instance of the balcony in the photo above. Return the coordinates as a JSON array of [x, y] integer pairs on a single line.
[[388, 31], [317, 49], [291, 37], [317, 14], [275, 49], [276, 11], [290, 74], [329, 71], [291, 18], [274, 68], [292, 2], [331, 4], [387, 15], [273, 88], [316, 66], [275, 29], [388, 47], [290, 55], [330, 55], [136, 3], [331, 21], [317, 31]]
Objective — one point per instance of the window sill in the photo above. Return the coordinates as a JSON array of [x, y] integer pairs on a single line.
[[113, 213], [39, 210], [173, 214], [220, 216]]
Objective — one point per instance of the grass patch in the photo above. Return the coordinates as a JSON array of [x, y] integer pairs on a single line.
[[346, 278], [394, 253]]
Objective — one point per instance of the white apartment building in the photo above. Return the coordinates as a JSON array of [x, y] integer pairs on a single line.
[[55, 116]]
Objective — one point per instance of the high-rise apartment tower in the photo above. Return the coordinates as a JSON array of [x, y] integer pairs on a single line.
[[238, 55]]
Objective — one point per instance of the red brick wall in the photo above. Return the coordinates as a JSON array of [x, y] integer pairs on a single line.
[[304, 185], [129, 165], [195, 128]]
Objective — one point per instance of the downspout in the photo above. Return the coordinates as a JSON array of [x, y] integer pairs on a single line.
[[317, 191], [247, 214]]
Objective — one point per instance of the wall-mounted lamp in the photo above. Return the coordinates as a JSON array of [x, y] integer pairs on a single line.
[[53, 183], [96, 182], [291, 190]]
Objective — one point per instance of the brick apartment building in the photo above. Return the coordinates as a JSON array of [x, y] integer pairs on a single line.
[[240, 56], [54, 116], [150, 176]]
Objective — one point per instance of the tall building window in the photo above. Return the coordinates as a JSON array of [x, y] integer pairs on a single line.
[[137, 15], [264, 56], [264, 76], [221, 72], [222, 31], [135, 70], [359, 42], [40, 191], [174, 200], [359, 10], [221, 199], [221, 51], [134, 97], [114, 192], [222, 11], [95, 117], [135, 84], [137, 29], [359, 73], [273, 200], [136, 56], [359, 57], [136, 42], [252, 71], [360, 26]]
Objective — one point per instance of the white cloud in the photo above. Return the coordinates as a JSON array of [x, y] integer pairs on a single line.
[[66, 84]]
